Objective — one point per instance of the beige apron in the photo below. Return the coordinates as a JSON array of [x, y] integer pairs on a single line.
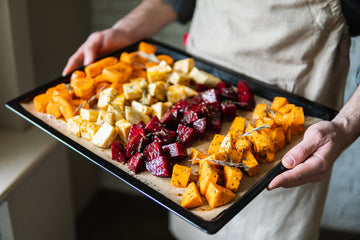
[[298, 45]]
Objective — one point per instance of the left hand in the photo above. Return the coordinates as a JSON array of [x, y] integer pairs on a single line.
[[313, 157]]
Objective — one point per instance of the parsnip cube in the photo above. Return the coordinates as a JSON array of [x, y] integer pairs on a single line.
[[89, 114], [158, 73], [105, 136], [179, 78], [141, 108], [157, 90], [105, 116], [134, 116], [134, 89], [88, 129], [184, 65], [175, 93], [119, 102], [106, 97], [160, 108], [123, 128], [148, 100], [190, 92], [203, 77], [73, 125], [117, 112]]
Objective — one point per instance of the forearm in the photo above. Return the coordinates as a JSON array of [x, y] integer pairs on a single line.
[[146, 19], [348, 119]]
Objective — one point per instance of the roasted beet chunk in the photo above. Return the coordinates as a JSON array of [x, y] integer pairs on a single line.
[[210, 96], [136, 130], [153, 150], [166, 135], [189, 117], [185, 135], [214, 122], [136, 144], [174, 151], [154, 125], [246, 95], [118, 152], [136, 163], [228, 110], [170, 120], [201, 87], [226, 91], [200, 126], [159, 167]]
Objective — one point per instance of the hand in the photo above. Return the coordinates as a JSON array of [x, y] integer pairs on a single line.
[[313, 157], [97, 44]]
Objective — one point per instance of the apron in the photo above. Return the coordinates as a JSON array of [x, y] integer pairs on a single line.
[[301, 46]]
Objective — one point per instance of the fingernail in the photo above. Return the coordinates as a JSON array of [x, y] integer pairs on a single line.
[[288, 161]]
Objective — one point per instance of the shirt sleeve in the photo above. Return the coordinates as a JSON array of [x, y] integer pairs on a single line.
[[184, 9]]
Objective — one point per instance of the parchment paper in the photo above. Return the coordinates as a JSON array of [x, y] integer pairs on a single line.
[[163, 185]]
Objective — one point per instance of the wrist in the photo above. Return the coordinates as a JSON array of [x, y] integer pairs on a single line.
[[348, 126]]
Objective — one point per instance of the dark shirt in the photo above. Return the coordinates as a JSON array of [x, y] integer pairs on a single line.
[[184, 9]]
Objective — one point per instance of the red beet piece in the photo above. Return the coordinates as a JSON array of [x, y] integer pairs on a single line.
[[136, 130], [210, 96], [228, 110], [170, 120], [197, 98], [189, 117], [226, 91], [118, 152], [213, 107], [174, 151], [136, 144], [153, 150], [136, 163], [200, 126], [159, 167], [141, 124], [185, 135], [214, 122], [159, 140], [201, 87], [154, 125], [246, 95], [201, 109]]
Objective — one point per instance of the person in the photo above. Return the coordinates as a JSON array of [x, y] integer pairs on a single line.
[[301, 46]]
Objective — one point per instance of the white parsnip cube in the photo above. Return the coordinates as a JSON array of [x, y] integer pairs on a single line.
[[89, 114], [190, 92], [123, 128], [175, 93], [134, 116], [119, 102], [148, 99], [203, 77], [179, 78], [184, 65], [134, 90], [88, 129], [73, 125], [141, 108], [106, 96], [105, 116], [158, 73], [157, 90], [117, 112], [160, 108], [105, 136]]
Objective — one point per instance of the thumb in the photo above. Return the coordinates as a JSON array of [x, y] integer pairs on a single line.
[[299, 153]]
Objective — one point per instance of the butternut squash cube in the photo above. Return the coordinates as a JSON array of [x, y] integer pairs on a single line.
[[237, 127], [277, 103], [242, 144], [260, 111], [286, 108], [251, 164], [41, 101], [191, 197], [196, 156], [278, 138], [119, 72], [97, 67], [180, 176], [207, 174], [215, 143], [233, 176], [297, 120], [217, 195]]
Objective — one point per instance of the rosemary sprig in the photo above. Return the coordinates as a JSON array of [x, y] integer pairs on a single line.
[[256, 129], [224, 163]]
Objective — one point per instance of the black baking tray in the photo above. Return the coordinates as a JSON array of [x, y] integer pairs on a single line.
[[261, 89]]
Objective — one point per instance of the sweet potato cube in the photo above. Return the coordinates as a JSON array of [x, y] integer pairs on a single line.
[[66, 105], [263, 147], [215, 143], [228, 141], [242, 144], [278, 138], [97, 67], [233, 176], [196, 155], [277, 103], [53, 110], [217, 195], [251, 164], [147, 48], [41, 101], [166, 58], [119, 72], [237, 127], [84, 88], [286, 108], [191, 197], [259, 111], [207, 174], [180, 176], [297, 120]]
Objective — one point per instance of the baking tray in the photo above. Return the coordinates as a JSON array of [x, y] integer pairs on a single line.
[[209, 226]]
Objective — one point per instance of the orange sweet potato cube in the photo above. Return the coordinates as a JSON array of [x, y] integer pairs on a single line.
[[207, 174], [233, 176], [237, 127], [41, 101], [196, 155], [260, 111], [297, 120], [147, 48], [277, 103], [53, 110], [118, 73], [97, 67], [278, 138], [217, 195], [215, 143], [286, 108], [180, 176], [242, 144], [251, 164], [191, 197]]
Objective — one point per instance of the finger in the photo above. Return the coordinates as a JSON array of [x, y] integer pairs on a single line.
[[74, 62], [91, 48]]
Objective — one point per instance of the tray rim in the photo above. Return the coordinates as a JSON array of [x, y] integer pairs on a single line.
[[261, 89]]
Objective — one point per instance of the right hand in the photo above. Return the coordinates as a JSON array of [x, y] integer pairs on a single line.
[[97, 44]]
